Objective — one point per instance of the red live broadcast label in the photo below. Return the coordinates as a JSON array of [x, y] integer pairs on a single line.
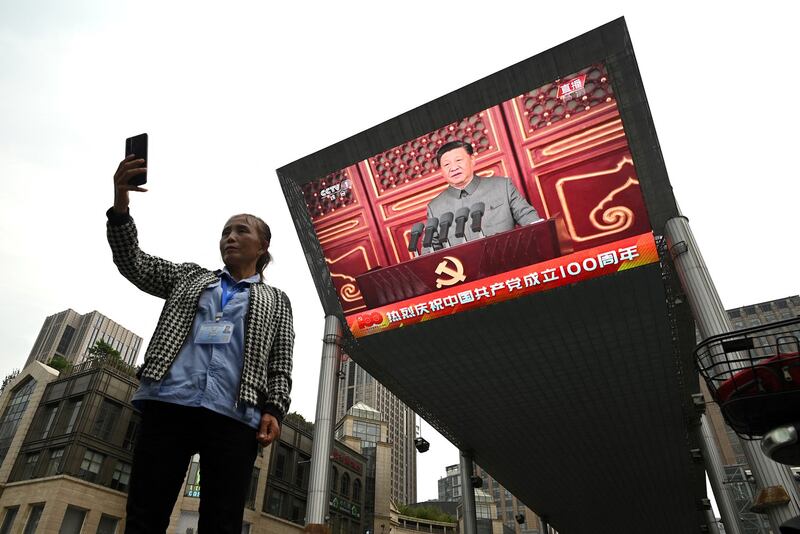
[[566, 89], [590, 263]]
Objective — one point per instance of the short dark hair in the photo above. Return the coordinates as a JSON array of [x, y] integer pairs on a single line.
[[452, 145]]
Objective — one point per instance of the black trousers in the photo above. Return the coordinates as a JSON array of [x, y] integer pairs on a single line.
[[169, 436]]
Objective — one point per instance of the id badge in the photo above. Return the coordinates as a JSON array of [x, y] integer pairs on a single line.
[[215, 333]]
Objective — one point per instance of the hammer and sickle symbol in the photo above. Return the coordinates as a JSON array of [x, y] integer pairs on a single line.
[[456, 275]]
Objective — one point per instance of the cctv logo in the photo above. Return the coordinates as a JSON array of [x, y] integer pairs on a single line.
[[456, 273]]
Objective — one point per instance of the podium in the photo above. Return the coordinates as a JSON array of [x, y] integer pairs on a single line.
[[472, 260]]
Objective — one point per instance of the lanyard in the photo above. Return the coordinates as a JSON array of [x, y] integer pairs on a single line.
[[228, 291]]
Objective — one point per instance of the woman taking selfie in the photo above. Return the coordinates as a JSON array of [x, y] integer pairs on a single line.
[[216, 376]]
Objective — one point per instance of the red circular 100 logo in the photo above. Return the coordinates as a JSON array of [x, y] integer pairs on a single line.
[[365, 320]]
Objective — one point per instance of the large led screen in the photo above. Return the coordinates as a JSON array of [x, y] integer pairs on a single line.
[[530, 194]]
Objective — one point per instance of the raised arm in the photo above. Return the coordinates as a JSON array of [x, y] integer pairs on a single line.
[[149, 273]]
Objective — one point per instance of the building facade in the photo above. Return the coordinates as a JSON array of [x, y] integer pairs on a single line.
[[504, 505], [68, 465], [70, 335], [357, 386], [738, 475], [363, 429], [286, 487], [67, 456]]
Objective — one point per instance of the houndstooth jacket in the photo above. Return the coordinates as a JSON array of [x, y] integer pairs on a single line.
[[268, 338]]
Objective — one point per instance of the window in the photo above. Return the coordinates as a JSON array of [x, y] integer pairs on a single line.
[[356, 490], [108, 524], [107, 416], [81, 383], [48, 418], [73, 409], [13, 413], [121, 476], [33, 518], [251, 491], [368, 432], [8, 519], [73, 521], [193, 480], [54, 462], [90, 467], [29, 467], [65, 339], [345, 484], [130, 434], [297, 512], [281, 461], [301, 471], [275, 503], [334, 479], [55, 390]]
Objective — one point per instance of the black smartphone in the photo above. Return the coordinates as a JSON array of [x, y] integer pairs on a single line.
[[137, 146]]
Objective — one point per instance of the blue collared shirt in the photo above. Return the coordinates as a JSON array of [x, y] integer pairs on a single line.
[[209, 375]]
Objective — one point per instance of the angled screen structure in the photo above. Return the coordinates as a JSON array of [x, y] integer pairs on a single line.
[[522, 195]]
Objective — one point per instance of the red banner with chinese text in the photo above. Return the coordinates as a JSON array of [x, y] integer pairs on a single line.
[[589, 263]]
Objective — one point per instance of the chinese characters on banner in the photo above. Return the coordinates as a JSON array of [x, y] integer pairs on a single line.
[[606, 259]]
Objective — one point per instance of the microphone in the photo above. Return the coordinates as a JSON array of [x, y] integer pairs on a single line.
[[461, 220], [416, 232], [477, 210], [444, 227], [430, 228]]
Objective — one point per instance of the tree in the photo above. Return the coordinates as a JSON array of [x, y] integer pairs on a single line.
[[59, 363], [9, 377], [102, 351], [426, 512], [298, 421]]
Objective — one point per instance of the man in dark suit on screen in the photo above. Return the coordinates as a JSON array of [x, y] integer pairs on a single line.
[[504, 208]]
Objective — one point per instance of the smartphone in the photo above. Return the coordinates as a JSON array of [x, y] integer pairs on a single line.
[[137, 146]]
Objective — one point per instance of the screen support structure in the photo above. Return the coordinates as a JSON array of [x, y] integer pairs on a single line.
[[716, 475], [711, 319], [316, 522], [470, 513]]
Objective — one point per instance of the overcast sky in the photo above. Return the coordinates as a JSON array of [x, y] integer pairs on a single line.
[[231, 91]]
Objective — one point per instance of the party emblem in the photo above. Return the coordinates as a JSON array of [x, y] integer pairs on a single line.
[[456, 273]]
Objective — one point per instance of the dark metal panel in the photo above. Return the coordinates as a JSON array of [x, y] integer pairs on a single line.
[[572, 399]]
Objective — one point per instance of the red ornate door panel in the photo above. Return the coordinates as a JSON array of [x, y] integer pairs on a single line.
[[402, 180], [576, 162], [346, 229]]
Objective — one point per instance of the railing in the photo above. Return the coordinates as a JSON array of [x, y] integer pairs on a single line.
[[754, 375], [104, 362]]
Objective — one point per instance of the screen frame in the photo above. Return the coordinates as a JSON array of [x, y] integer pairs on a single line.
[[609, 44]]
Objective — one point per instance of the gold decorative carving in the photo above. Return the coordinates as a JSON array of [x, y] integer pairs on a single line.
[[575, 141], [337, 230], [413, 201], [488, 132], [349, 291], [583, 137], [615, 218], [527, 134]]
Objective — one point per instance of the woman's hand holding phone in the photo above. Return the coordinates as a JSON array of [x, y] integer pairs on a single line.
[[128, 168]]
